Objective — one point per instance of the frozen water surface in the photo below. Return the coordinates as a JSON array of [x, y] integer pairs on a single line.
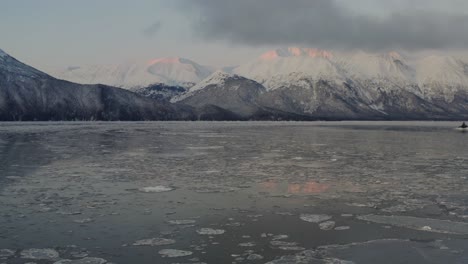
[[245, 192]]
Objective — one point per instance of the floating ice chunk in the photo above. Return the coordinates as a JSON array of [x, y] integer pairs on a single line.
[[182, 222], [283, 243], [254, 257], [82, 261], [314, 218], [280, 237], [328, 225], [174, 253], [40, 254], [210, 231], [295, 248], [284, 213], [341, 228], [154, 242], [83, 221], [307, 257], [254, 216], [425, 224], [247, 244], [6, 253], [156, 189]]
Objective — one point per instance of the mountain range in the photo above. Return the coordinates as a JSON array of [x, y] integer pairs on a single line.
[[290, 83]]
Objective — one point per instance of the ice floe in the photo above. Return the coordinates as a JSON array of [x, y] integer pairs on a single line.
[[254, 257], [315, 218], [40, 254], [210, 231], [182, 222], [83, 221], [283, 245], [341, 228], [156, 189], [328, 225], [82, 261], [154, 242], [174, 253], [247, 244], [307, 257], [280, 237]]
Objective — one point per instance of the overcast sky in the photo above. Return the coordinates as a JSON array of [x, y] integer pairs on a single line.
[[220, 32]]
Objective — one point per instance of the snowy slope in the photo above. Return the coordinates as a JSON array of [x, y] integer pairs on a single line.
[[170, 71], [423, 75], [217, 79]]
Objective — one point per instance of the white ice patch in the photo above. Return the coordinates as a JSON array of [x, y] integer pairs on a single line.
[[283, 243], [156, 189], [254, 257], [181, 222], [295, 248], [174, 253], [83, 221], [210, 231], [82, 261], [341, 228], [40, 254], [328, 225], [247, 244], [280, 237], [154, 242], [315, 218]]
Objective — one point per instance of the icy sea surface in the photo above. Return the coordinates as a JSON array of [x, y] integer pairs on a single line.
[[233, 192]]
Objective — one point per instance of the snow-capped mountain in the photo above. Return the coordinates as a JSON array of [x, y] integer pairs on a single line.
[[427, 76], [130, 75], [29, 94], [233, 93], [317, 84]]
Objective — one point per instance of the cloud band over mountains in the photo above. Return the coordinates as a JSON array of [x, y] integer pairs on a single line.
[[327, 23]]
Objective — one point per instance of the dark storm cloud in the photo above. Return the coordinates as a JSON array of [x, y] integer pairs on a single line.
[[153, 29], [325, 23]]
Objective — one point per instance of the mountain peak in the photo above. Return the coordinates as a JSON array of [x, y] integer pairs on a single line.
[[217, 78], [296, 52]]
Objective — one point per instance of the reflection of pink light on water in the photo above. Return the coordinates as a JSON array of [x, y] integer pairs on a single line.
[[294, 188], [269, 185], [314, 187]]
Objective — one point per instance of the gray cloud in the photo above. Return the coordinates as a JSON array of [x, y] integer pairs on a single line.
[[153, 29], [326, 23]]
